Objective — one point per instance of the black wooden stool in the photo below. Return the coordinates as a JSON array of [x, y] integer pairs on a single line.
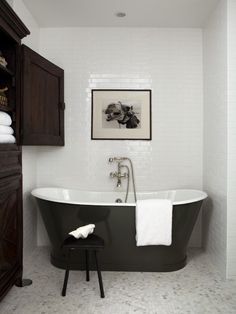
[[91, 243]]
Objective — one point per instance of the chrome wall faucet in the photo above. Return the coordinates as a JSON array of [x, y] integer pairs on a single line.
[[126, 175], [118, 174]]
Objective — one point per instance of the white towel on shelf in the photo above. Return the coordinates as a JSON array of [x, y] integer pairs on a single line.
[[5, 118], [154, 222], [82, 232], [7, 138], [6, 129]]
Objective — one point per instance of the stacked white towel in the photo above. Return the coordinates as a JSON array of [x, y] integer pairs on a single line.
[[82, 232], [6, 131]]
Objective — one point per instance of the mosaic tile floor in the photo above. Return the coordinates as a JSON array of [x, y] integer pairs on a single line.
[[197, 289]]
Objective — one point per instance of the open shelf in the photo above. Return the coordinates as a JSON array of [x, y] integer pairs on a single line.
[[5, 108], [5, 71]]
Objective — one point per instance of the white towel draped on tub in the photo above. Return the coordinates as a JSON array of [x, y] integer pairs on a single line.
[[82, 232], [7, 138], [6, 129], [154, 222], [5, 118]]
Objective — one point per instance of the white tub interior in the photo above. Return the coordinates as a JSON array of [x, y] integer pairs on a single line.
[[70, 196]]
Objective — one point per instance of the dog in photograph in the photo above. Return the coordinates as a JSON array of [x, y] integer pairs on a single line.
[[123, 114]]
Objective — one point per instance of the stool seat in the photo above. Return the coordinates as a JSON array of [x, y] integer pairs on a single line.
[[91, 242]]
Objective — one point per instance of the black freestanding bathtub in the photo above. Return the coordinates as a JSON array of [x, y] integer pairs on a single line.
[[64, 210]]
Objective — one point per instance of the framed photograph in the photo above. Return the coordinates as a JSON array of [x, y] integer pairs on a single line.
[[121, 114]]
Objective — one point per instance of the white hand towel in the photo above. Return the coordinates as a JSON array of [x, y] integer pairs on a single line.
[[82, 232], [6, 129], [154, 222], [7, 138], [5, 118]]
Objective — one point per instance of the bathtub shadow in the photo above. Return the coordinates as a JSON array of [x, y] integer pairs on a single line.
[[96, 215]]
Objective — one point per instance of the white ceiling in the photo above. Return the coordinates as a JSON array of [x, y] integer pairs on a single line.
[[139, 13]]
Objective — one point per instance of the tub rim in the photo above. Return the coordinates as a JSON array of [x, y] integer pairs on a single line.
[[200, 195]]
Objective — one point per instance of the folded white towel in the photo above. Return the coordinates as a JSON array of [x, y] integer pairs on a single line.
[[7, 138], [154, 222], [6, 129], [5, 118], [82, 232]]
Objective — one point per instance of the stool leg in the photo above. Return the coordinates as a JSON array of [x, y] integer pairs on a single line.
[[63, 293], [99, 276], [87, 264]]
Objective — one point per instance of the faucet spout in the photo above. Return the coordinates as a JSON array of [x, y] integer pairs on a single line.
[[118, 185]]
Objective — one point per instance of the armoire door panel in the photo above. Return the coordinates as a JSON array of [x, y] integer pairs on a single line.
[[10, 220], [42, 120]]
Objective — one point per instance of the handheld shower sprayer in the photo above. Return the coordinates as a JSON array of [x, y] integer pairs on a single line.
[[117, 159]]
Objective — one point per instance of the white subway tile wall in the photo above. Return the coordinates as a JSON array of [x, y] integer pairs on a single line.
[[215, 135], [29, 155], [167, 61], [231, 217]]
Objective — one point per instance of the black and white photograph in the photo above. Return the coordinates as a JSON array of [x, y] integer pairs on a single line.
[[121, 114]]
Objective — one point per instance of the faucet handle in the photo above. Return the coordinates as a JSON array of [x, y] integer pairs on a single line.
[[112, 174]]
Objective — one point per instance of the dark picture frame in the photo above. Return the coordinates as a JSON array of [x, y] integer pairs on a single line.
[[121, 114]]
